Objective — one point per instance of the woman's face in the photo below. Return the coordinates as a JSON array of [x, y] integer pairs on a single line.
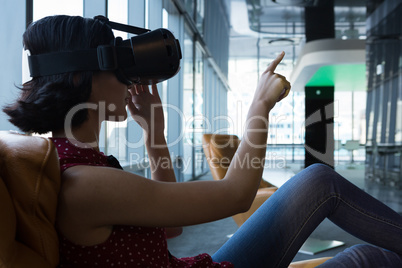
[[111, 95]]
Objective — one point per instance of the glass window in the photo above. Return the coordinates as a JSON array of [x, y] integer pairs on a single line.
[[199, 20], [359, 116], [370, 117], [116, 132], [190, 7], [242, 75], [343, 115], [188, 103], [286, 132], [398, 127], [163, 87], [118, 12], [43, 8], [199, 111], [350, 121]]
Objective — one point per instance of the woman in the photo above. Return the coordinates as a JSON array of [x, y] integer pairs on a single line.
[[111, 218]]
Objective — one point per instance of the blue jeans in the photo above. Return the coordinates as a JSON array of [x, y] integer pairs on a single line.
[[366, 256], [272, 236]]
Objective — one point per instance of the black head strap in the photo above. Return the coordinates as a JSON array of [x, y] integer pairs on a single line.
[[122, 27], [103, 58], [49, 64]]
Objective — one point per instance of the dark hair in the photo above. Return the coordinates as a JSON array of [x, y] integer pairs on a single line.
[[45, 101]]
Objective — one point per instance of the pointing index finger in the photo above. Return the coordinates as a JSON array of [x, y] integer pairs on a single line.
[[275, 62]]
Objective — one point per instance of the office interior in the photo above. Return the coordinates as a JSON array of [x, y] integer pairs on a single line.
[[343, 59]]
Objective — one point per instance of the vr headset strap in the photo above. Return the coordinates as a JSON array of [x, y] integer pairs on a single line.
[[63, 62], [104, 58], [127, 28], [122, 27]]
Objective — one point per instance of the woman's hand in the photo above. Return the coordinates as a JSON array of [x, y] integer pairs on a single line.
[[146, 108], [272, 87]]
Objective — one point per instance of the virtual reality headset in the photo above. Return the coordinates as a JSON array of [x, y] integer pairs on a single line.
[[148, 58]]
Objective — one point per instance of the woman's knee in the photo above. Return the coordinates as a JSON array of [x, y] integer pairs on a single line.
[[361, 249], [320, 173], [319, 168]]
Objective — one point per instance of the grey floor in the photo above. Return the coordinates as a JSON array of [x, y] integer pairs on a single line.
[[208, 237]]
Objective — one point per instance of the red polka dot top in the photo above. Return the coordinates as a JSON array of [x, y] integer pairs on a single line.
[[127, 246]]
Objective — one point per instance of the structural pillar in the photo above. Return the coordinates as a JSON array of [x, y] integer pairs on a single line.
[[319, 110], [319, 124]]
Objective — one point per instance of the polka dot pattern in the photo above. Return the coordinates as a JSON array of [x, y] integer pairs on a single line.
[[73, 155], [127, 246]]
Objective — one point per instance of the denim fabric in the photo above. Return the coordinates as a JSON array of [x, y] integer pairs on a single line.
[[366, 256], [272, 236]]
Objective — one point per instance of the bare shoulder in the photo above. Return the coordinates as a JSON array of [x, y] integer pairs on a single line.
[[87, 192], [90, 179]]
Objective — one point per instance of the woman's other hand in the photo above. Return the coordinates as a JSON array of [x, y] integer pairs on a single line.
[[146, 108]]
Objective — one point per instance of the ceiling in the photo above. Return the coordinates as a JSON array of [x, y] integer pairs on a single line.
[[269, 21], [267, 16], [263, 28]]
